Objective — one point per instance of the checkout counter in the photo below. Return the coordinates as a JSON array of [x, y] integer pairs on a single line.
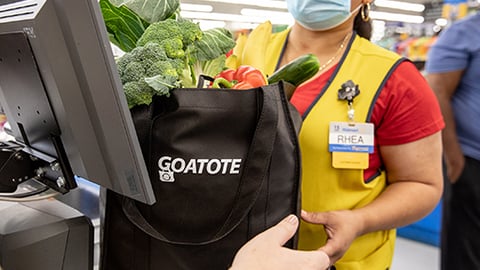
[[47, 230], [55, 233]]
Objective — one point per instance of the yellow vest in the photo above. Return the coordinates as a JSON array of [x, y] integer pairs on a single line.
[[323, 187]]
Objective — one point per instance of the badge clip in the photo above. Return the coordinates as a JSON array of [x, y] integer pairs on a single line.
[[348, 91]]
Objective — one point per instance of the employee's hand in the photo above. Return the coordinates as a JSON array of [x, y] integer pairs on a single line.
[[340, 229], [455, 162], [266, 251]]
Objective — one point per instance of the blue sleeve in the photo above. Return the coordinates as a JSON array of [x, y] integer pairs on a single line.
[[451, 50]]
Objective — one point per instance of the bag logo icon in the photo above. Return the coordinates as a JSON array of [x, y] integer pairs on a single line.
[[168, 166], [166, 176]]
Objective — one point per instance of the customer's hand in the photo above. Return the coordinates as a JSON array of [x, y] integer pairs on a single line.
[[266, 251]]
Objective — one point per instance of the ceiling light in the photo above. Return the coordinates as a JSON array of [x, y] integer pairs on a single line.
[[276, 17], [240, 25], [235, 17], [378, 24], [378, 30], [397, 17], [258, 3], [400, 5], [196, 7], [441, 22], [220, 17]]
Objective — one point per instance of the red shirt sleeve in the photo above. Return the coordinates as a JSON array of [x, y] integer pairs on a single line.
[[406, 109]]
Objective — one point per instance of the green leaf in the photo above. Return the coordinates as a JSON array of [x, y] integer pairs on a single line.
[[124, 27], [215, 66], [150, 10], [162, 84], [214, 42]]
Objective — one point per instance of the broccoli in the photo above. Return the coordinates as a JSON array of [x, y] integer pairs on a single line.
[[134, 65], [175, 36], [122, 63], [162, 68], [149, 53], [179, 64], [173, 48], [138, 93], [191, 31], [146, 71], [160, 31], [133, 72]]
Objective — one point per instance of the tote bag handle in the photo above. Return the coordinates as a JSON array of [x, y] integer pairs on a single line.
[[255, 172]]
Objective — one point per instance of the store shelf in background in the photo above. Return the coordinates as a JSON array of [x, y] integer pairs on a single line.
[[426, 230]]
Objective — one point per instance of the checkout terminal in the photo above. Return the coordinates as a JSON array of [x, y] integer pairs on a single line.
[[68, 121]]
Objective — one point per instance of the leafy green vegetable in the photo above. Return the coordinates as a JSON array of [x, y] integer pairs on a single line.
[[214, 43], [162, 50], [123, 26], [150, 10], [208, 56], [203, 52], [162, 83]]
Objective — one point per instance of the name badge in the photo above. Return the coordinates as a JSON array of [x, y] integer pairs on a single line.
[[350, 143]]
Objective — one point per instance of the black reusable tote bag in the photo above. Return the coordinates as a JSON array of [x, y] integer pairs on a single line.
[[224, 165]]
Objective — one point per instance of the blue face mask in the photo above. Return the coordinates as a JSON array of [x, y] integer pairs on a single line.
[[320, 14]]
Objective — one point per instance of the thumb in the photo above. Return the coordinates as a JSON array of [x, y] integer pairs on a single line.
[[323, 257], [314, 217], [283, 231]]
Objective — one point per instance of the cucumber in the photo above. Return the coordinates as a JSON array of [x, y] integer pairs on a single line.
[[296, 71]]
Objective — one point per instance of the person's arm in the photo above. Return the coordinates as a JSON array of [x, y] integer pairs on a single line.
[[266, 251], [444, 86], [415, 187]]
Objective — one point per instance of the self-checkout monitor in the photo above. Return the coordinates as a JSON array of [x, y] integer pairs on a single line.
[[63, 98]]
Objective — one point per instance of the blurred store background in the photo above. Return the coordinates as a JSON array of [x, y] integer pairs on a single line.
[[408, 27]]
